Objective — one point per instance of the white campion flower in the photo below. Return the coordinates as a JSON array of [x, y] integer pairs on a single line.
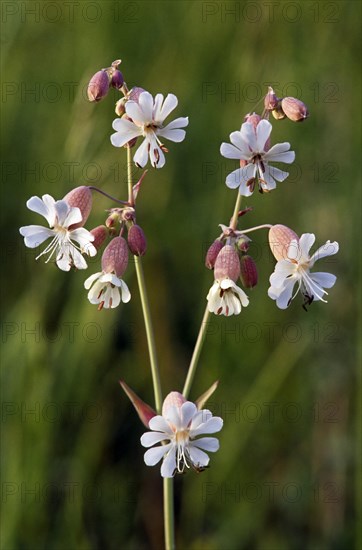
[[61, 217], [148, 117], [250, 145], [107, 290], [225, 297], [179, 428], [106, 287], [295, 269]]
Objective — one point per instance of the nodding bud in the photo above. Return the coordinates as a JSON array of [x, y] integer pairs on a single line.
[[270, 101], [173, 399], [280, 237], [137, 240], [227, 264], [135, 93], [117, 79], [278, 113], [115, 257], [98, 86], [81, 197], [100, 234], [113, 219], [243, 243], [213, 253], [294, 109], [248, 272], [120, 106]]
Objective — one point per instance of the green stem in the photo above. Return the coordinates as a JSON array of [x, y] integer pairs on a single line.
[[234, 219], [196, 354], [168, 513], [168, 506]]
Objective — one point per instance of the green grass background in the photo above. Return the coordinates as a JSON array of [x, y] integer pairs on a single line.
[[286, 476]]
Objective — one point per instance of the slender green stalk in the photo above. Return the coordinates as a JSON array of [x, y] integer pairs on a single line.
[[234, 219], [168, 506], [196, 354], [145, 307], [168, 513]]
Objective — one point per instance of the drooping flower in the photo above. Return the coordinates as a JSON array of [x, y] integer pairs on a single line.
[[295, 269], [180, 426], [147, 120], [249, 145], [225, 297], [64, 231], [106, 287]]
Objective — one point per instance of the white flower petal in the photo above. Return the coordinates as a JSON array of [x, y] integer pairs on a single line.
[[153, 456], [263, 131], [126, 295], [141, 156], [210, 444], [328, 249], [324, 280], [277, 174], [145, 102], [135, 112], [169, 463], [211, 426], [230, 151], [200, 418], [168, 106], [198, 457], [238, 140], [306, 242], [180, 122], [234, 178], [126, 131], [188, 410], [285, 295], [150, 438], [34, 235], [88, 282], [160, 424], [175, 135], [43, 207], [249, 136]]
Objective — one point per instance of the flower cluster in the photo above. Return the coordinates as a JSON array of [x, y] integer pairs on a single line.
[[141, 123]]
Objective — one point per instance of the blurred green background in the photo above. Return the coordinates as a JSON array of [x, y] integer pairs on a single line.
[[286, 475]]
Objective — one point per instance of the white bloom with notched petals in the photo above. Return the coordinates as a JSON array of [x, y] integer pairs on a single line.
[[60, 217], [180, 428], [147, 120], [249, 145], [226, 298], [295, 269], [107, 290]]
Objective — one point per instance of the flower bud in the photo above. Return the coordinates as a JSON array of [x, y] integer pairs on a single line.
[[280, 237], [212, 253], [120, 106], [117, 80], [248, 272], [295, 109], [81, 197], [227, 264], [173, 399], [113, 219], [135, 93], [100, 234], [98, 86], [243, 243], [278, 113], [270, 101], [137, 240], [115, 257]]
